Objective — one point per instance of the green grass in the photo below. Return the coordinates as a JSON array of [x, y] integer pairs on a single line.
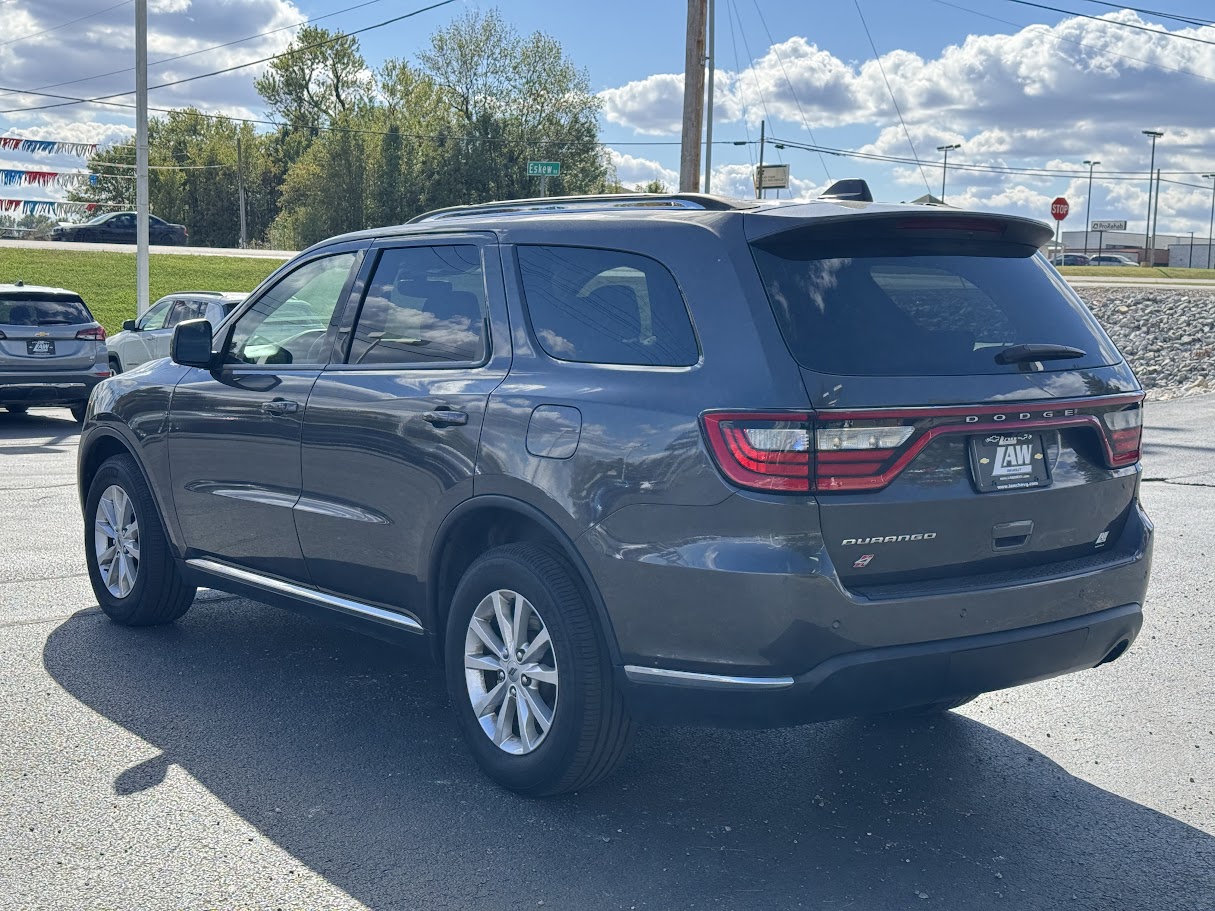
[[1137, 272], [106, 281]]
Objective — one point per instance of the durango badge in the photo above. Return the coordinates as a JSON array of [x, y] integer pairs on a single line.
[[891, 539]]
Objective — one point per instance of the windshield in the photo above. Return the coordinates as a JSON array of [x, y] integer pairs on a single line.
[[892, 312]]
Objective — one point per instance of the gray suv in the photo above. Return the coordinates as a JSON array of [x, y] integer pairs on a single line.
[[675, 459], [52, 351]]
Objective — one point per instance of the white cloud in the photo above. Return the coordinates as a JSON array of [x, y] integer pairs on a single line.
[[632, 171], [80, 61], [1040, 97]]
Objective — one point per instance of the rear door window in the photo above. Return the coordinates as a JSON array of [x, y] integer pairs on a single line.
[[43, 310], [425, 305], [606, 307], [893, 310]]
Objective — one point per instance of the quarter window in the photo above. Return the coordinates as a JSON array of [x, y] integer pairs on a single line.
[[606, 307], [289, 323], [424, 305]]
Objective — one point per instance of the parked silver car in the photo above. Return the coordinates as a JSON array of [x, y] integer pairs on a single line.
[[52, 351], [1111, 259], [147, 338]]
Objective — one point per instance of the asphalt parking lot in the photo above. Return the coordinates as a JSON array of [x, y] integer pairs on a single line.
[[247, 758]]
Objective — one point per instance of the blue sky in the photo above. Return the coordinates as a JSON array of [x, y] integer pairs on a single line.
[[1037, 90]]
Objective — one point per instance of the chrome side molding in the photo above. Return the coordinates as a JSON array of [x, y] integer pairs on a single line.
[[343, 605], [668, 677]]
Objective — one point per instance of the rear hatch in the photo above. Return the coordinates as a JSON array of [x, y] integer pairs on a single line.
[[969, 415], [46, 332]]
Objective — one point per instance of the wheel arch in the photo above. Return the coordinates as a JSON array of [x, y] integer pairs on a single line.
[[104, 443], [481, 523]]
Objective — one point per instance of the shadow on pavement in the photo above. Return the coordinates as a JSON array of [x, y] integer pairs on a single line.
[[343, 754], [55, 423]]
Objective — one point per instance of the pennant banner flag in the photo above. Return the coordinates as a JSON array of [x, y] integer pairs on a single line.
[[15, 178], [46, 207], [47, 146]]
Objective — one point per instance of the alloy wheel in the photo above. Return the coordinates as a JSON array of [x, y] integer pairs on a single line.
[[511, 672], [116, 541]]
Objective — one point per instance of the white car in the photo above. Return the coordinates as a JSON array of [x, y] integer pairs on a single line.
[[1111, 259], [148, 337]]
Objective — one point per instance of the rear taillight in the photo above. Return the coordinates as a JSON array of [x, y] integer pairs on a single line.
[[96, 335], [762, 451], [863, 450], [857, 454], [1125, 431]]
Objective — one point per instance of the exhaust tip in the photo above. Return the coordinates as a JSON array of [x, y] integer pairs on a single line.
[[1115, 653]]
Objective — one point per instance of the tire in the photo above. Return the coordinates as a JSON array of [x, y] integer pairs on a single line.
[[16, 409], [115, 366], [929, 709], [158, 593], [78, 412], [590, 730]]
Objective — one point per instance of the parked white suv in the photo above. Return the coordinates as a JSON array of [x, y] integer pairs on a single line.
[[147, 338]]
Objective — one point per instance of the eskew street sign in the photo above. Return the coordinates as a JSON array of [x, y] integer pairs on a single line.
[[544, 169]]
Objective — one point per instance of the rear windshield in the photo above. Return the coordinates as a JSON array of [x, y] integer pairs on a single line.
[[902, 311], [43, 310]]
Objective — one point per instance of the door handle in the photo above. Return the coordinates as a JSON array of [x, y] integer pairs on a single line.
[[280, 407], [445, 417]]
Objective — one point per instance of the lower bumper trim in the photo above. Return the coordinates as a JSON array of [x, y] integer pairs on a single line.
[[667, 677]]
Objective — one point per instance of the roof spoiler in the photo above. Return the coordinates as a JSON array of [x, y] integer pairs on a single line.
[[853, 189]]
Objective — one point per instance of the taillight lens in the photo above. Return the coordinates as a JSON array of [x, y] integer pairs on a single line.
[[96, 335], [1125, 431], [854, 455], [762, 451]]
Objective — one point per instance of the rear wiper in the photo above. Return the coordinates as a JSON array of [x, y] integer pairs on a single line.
[[1016, 354]]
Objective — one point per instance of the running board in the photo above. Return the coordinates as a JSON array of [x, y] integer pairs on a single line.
[[333, 602]]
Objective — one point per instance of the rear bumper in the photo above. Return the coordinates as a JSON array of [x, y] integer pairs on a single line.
[[872, 681], [34, 389]]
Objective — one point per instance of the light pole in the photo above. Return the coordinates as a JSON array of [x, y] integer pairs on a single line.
[[1211, 228], [945, 165], [1147, 234], [1088, 205]]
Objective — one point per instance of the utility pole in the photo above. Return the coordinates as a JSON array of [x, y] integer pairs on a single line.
[[759, 175], [1147, 236], [141, 156], [1211, 228], [693, 99], [1088, 204], [1156, 217], [240, 187], [709, 123]]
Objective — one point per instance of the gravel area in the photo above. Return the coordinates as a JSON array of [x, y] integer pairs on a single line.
[[1167, 335]]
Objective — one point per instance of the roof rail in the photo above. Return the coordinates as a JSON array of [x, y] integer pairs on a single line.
[[605, 202]]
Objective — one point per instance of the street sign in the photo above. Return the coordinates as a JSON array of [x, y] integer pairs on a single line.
[[544, 169], [1059, 209], [775, 177], [1108, 226]]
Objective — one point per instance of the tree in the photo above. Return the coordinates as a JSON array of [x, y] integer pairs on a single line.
[[320, 78], [654, 186]]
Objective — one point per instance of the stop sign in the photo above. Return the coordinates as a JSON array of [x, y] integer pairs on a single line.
[[1059, 209]]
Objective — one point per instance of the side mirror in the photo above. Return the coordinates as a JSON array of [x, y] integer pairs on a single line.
[[128, 325], [191, 345]]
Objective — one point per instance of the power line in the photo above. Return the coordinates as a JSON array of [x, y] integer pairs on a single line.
[[754, 78], [1151, 12], [878, 58], [738, 69], [1141, 28], [230, 69], [789, 82], [1049, 33], [64, 24], [214, 47]]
